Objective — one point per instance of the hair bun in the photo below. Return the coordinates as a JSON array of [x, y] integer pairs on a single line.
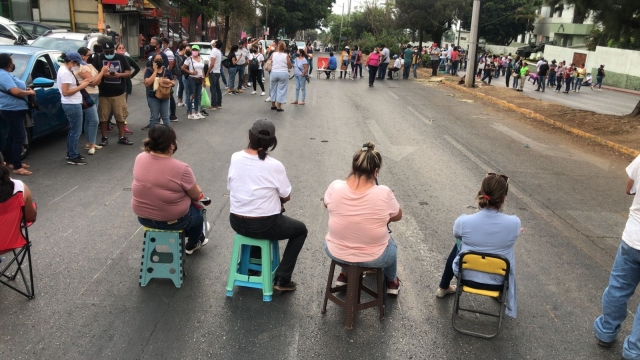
[[368, 146]]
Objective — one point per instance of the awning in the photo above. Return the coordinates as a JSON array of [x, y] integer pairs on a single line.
[[115, 2]]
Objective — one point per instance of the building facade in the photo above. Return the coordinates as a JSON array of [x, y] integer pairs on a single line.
[[564, 26]]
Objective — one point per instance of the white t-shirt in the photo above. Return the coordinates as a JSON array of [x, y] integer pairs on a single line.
[[169, 54], [197, 66], [256, 186], [260, 58], [279, 62], [215, 53], [385, 56], [631, 234], [65, 76]]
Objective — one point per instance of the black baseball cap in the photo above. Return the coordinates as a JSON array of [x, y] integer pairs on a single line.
[[108, 45], [263, 125]]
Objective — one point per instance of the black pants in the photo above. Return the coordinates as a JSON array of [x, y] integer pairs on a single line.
[[434, 67], [447, 275], [255, 76], [373, 71], [508, 75], [276, 227], [172, 106], [14, 121]]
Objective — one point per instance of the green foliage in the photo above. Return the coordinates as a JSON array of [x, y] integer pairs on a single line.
[[295, 15], [501, 21], [434, 17]]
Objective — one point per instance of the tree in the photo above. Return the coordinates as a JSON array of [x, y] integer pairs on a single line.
[[501, 21], [194, 9], [430, 16], [294, 15]]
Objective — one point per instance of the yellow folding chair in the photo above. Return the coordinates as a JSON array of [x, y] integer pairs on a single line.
[[487, 263]]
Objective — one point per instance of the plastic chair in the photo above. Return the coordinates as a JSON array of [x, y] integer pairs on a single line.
[[162, 256], [354, 288], [486, 263], [252, 272], [14, 240]]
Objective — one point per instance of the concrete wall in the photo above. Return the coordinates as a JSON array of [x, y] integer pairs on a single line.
[[500, 50], [621, 66]]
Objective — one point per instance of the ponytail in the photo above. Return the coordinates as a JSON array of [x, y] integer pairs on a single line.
[[6, 185], [262, 145]]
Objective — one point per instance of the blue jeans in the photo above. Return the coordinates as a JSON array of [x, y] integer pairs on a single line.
[[91, 121], [191, 223], [515, 81], [232, 77], [158, 108], [279, 82], [454, 67], [180, 88], [301, 81], [569, 84], [382, 70], [216, 93], [224, 78], [599, 82], [542, 82], [578, 84], [388, 260], [415, 70], [240, 72], [624, 278], [407, 71], [195, 90], [14, 120], [74, 115]]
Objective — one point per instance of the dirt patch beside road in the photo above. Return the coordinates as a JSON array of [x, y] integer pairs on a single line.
[[622, 130]]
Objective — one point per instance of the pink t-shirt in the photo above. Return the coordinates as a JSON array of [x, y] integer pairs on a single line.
[[358, 221], [159, 189]]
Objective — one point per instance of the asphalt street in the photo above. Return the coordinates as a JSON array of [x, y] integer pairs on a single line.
[[436, 147]]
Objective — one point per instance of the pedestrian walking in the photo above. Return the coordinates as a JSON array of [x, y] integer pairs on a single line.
[[524, 72], [13, 110], [489, 70], [569, 75], [72, 99], [91, 121], [481, 65], [356, 56], [416, 60], [455, 60], [194, 67], [344, 65], [279, 79], [517, 65], [581, 73], [509, 70], [233, 69], [407, 57], [551, 81], [560, 71], [372, 64], [543, 70], [385, 57], [599, 77], [184, 51], [624, 278], [157, 79], [300, 73], [256, 60], [308, 49], [434, 54]]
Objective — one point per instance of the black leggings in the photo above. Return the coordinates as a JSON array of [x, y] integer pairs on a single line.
[[447, 275], [255, 76]]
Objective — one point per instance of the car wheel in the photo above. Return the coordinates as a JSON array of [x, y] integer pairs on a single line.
[[26, 145], [527, 55]]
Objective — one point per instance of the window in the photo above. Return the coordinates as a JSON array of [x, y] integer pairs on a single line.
[[5, 33], [559, 10], [42, 68]]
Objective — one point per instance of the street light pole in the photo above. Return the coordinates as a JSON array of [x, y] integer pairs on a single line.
[[473, 45], [341, 21]]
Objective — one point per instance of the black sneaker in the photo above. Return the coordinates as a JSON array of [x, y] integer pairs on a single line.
[[605, 344], [124, 141], [77, 161], [146, 128], [204, 113], [173, 118], [282, 284], [202, 242], [104, 142], [79, 157]]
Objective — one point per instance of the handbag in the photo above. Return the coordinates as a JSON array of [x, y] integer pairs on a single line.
[[31, 100], [87, 101], [162, 92], [267, 66], [343, 66], [197, 80]]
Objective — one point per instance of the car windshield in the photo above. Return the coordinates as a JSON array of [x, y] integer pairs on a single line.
[[21, 62], [205, 50], [300, 44], [20, 31], [52, 43]]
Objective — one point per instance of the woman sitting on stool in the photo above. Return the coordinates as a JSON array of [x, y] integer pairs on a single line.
[[359, 212], [164, 189], [487, 231], [258, 186]]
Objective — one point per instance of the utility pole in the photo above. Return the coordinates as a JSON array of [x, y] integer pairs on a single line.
[[341, 21], [266, 22], [473, 45]]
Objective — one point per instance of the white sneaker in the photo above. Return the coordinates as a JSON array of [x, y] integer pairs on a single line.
[[190, 117], [199, 116], [200, 244], [253, 93], [262, 79], [444, 292], [226, 87], [180, 103], [262, 93], [267, 99]]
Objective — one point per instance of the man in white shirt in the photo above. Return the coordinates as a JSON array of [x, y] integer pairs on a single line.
[[397, 65], [385, 57], [215, 62], [540, 62], [624, 278]]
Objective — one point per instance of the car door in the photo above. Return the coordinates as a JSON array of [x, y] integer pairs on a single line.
[[51, 116], [6, 36]]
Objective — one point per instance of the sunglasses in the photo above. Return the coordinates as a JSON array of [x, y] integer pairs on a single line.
[[505, 177]]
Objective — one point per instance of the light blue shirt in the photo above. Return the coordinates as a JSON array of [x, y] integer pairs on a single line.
[[490, 231], [10, 102], [299, 66]]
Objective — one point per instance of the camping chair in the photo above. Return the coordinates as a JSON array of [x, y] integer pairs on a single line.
[[486, 263], [14, 240]]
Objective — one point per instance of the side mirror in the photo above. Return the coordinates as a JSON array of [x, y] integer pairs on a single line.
[[42, 83], [21, 40]]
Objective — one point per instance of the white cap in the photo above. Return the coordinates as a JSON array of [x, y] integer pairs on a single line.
[[346, 47]]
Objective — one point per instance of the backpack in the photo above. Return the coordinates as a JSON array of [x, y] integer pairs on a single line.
[[178, 66], [254, 64]]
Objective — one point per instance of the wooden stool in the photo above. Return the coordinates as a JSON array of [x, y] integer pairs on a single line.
[[352, 304]]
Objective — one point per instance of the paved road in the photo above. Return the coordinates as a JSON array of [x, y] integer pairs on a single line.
[[437, 149]]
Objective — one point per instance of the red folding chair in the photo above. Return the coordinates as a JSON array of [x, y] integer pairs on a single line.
[[14, 240]]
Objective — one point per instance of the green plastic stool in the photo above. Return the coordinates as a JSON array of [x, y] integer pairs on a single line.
[[241, 263], [162, 256]]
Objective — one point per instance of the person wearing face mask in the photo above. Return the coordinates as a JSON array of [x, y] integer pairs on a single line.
[[256, 60], [13, 109], [155, 47], [172, 66], [71, 100], [115, 37], [158, 107], [373, 62], [194, 67], [164, 189], [120, 49], [88, 72], [300, 71], [112, 98]]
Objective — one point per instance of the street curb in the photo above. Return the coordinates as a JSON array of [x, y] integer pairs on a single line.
[[533, 115]]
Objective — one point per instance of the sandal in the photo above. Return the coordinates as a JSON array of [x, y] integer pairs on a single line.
[[301, 103], [23, 172], [24, 166], [274, 108], [279, 110], [294, 102]]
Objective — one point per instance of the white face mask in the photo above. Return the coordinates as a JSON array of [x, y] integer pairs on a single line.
[[75, 68]]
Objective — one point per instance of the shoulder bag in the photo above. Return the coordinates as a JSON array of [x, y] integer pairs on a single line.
[[32, 102], [87, 101], [268, 65], [162, 92]]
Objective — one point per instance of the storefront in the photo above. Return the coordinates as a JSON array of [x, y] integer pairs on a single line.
[[122, 16]]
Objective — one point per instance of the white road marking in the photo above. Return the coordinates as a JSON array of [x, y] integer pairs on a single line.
[[61, 196], [394, 152], [425, 120], [394, 95]]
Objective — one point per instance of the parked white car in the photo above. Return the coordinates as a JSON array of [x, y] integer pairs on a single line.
[[10, 32]]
